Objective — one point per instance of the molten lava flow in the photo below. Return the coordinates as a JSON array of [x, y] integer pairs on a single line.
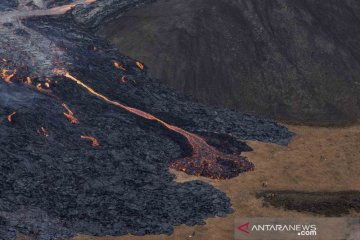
[[94, 141], [205, 160], [39, 87], [119, 66], [63, 9], [123, 80], [43, 132], [10, 116], [70, 115], [140, 65], [28, 81], [7, 75]]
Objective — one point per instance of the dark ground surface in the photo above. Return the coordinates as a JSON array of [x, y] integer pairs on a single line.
[[297, 61], [59, 186], [330, 204], [8, 5]]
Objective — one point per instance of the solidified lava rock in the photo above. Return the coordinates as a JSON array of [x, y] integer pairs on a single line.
[[8, 5], [54, 184], [330, 204]]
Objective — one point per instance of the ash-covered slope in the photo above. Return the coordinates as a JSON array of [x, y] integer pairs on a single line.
[[295, 60], [87, 138]]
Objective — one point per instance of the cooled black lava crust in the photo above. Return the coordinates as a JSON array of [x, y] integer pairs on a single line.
[[59, 186]]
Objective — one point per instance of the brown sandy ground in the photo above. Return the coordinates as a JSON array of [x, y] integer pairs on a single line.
[[317, 160]]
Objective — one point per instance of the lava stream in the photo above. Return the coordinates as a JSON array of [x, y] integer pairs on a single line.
[[21, 13], [70, 115], [123, 80], [43, 132], [10, 116], [205, 160], [7, 75], [119, 66], [139, 65], [94, 141]]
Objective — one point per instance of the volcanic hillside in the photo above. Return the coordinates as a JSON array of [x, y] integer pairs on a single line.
[[294, 60], [87, 138]]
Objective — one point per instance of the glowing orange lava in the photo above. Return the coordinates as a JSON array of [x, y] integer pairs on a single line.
[[28, 81], [94, 141], [140, 65], [39, 88], [10, 116], [119, 66], [62, 9], [7, 75], [43, 132], [70, 115], [123, 80], [205, 159]]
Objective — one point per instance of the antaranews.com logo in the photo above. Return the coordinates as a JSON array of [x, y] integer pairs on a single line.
[[299, 229], [296, 228]]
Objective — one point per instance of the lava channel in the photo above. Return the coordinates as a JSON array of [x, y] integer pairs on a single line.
[[10, 117], [205, 160], [70, 115], [94, 141]]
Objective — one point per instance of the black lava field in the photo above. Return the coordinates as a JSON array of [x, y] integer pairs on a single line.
[[87, 139]]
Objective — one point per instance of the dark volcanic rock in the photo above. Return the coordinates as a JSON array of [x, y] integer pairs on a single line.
[[325, 203], [103, 11], [294, 60], [100, 12], [58, 186], [8, 5]]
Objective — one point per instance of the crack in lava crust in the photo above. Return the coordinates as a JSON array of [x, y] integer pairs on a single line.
[[205, 159]]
